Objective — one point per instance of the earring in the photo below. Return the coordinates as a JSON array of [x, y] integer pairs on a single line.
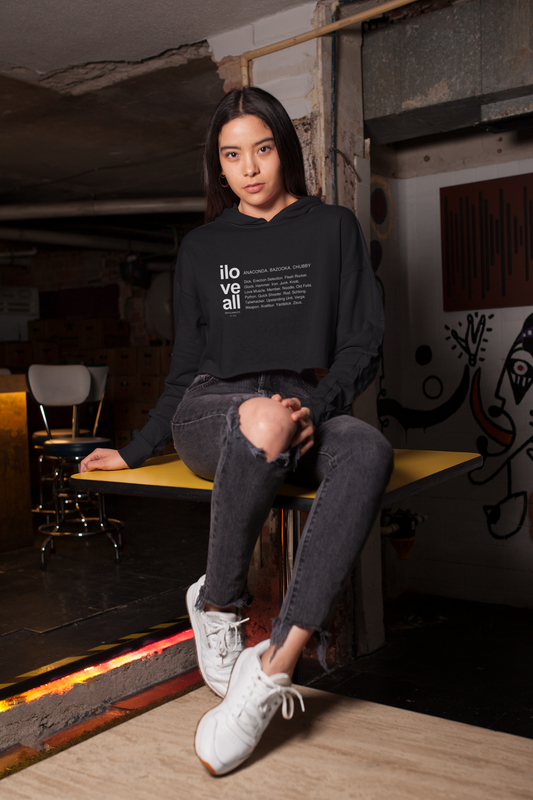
[[223, 180]]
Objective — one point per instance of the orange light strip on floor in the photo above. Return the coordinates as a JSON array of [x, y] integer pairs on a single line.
[[63, 685]]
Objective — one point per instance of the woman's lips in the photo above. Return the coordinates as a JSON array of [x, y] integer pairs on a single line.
[[254, 187]]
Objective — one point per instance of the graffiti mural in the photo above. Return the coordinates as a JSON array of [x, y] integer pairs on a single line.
[[479, 257], [502, 439]]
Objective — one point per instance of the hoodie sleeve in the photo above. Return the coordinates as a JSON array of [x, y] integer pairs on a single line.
[[188, 346], [359, 332]]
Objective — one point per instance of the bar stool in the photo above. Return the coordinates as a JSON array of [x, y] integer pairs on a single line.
[[72, 385], [99, 376], [38, 438]]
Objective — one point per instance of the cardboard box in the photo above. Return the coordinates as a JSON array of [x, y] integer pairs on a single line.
[[125, 416], [110, 340], [18, 355], [122, 438], [68, 354], [63, 331], [90, 332], [141, 414], [123, 389], [148, 360], [116, 332], [124, 361], [104, 332], [148, 389], [38, 329], [46, 353], [165, 354], [104, 357]]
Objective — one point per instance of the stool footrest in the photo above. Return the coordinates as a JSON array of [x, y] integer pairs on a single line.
[[111, 526]]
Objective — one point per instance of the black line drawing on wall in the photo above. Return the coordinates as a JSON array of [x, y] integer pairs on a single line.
[[503, 438], [501, 444], [486, 248]]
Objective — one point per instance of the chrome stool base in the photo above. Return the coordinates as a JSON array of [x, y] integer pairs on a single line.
[[77, 513], [111, 528]]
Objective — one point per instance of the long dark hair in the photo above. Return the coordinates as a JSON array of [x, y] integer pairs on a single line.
[[251, 101]]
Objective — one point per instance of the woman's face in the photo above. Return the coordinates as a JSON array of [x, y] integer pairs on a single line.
[[250, 162]]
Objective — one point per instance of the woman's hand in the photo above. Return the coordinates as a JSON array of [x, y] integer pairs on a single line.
[[101, 458], [303, 437]]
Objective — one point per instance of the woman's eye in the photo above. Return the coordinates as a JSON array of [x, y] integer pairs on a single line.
[[264, 149], [231, 155]]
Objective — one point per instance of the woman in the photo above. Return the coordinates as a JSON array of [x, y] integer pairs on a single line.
[[274, 285]]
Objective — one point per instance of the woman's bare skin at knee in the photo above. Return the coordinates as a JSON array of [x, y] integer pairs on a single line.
[[275, 424], [267, 425]]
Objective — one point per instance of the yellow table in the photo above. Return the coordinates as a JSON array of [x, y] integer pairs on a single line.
[[414, 471], [168, 477]]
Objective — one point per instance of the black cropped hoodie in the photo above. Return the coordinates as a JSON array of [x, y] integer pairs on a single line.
[[293, 293]]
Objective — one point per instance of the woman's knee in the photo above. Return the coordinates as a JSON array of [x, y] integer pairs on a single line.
[[267, 425], [357, 437]]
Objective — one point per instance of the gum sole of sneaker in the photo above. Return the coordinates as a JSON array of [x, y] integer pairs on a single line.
[[207, 765]]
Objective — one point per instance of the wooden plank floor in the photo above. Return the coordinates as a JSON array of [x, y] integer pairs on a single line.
[[340, 748]]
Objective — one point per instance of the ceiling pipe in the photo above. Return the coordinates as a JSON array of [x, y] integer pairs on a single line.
[[249, 55], [98, 208], [82, 240], [17, 253]]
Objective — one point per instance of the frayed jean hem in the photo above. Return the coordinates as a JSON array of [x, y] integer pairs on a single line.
[[280, 631], [201, 600]]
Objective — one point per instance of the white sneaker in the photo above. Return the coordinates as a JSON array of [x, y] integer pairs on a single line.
[[218, 638], [229, 733]]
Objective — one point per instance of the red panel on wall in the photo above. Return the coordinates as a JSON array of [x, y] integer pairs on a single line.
[[487, 243]]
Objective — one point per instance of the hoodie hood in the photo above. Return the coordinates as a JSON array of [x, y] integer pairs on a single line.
[[298, 209]]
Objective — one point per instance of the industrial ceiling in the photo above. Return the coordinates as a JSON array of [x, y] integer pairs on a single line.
[[104, 99]]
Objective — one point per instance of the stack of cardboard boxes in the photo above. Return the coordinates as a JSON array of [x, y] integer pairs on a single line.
[[136, 374], [137, 380]]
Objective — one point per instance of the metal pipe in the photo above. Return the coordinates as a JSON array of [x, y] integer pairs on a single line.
[[333, 121], [98, 208], [249, 55], [4, 254], [80, 240]]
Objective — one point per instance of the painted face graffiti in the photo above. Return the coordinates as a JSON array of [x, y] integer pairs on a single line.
[[519, 363], [506, 445]]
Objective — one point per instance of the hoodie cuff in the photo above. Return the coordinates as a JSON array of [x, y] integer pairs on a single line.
[[134, 454]]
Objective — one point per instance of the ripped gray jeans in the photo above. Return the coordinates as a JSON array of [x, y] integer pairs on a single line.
[[350, 462]]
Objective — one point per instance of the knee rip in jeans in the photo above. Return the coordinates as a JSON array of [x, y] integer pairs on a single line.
[[289, 458]]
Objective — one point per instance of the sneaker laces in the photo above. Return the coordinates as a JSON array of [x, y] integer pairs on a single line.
[[257, 703], [228, 636]]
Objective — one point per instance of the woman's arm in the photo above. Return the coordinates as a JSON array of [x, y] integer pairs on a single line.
[[359, 330], [189, 343], [188, 347], [102, 459]]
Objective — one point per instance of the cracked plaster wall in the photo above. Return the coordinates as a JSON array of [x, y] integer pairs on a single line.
[[82, 78]]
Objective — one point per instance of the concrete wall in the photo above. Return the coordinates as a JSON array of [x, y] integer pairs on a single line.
[[439, 71], [292, 75], [455, 553], [287, 74]]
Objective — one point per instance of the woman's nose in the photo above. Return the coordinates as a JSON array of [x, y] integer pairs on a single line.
[[250, 166]]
